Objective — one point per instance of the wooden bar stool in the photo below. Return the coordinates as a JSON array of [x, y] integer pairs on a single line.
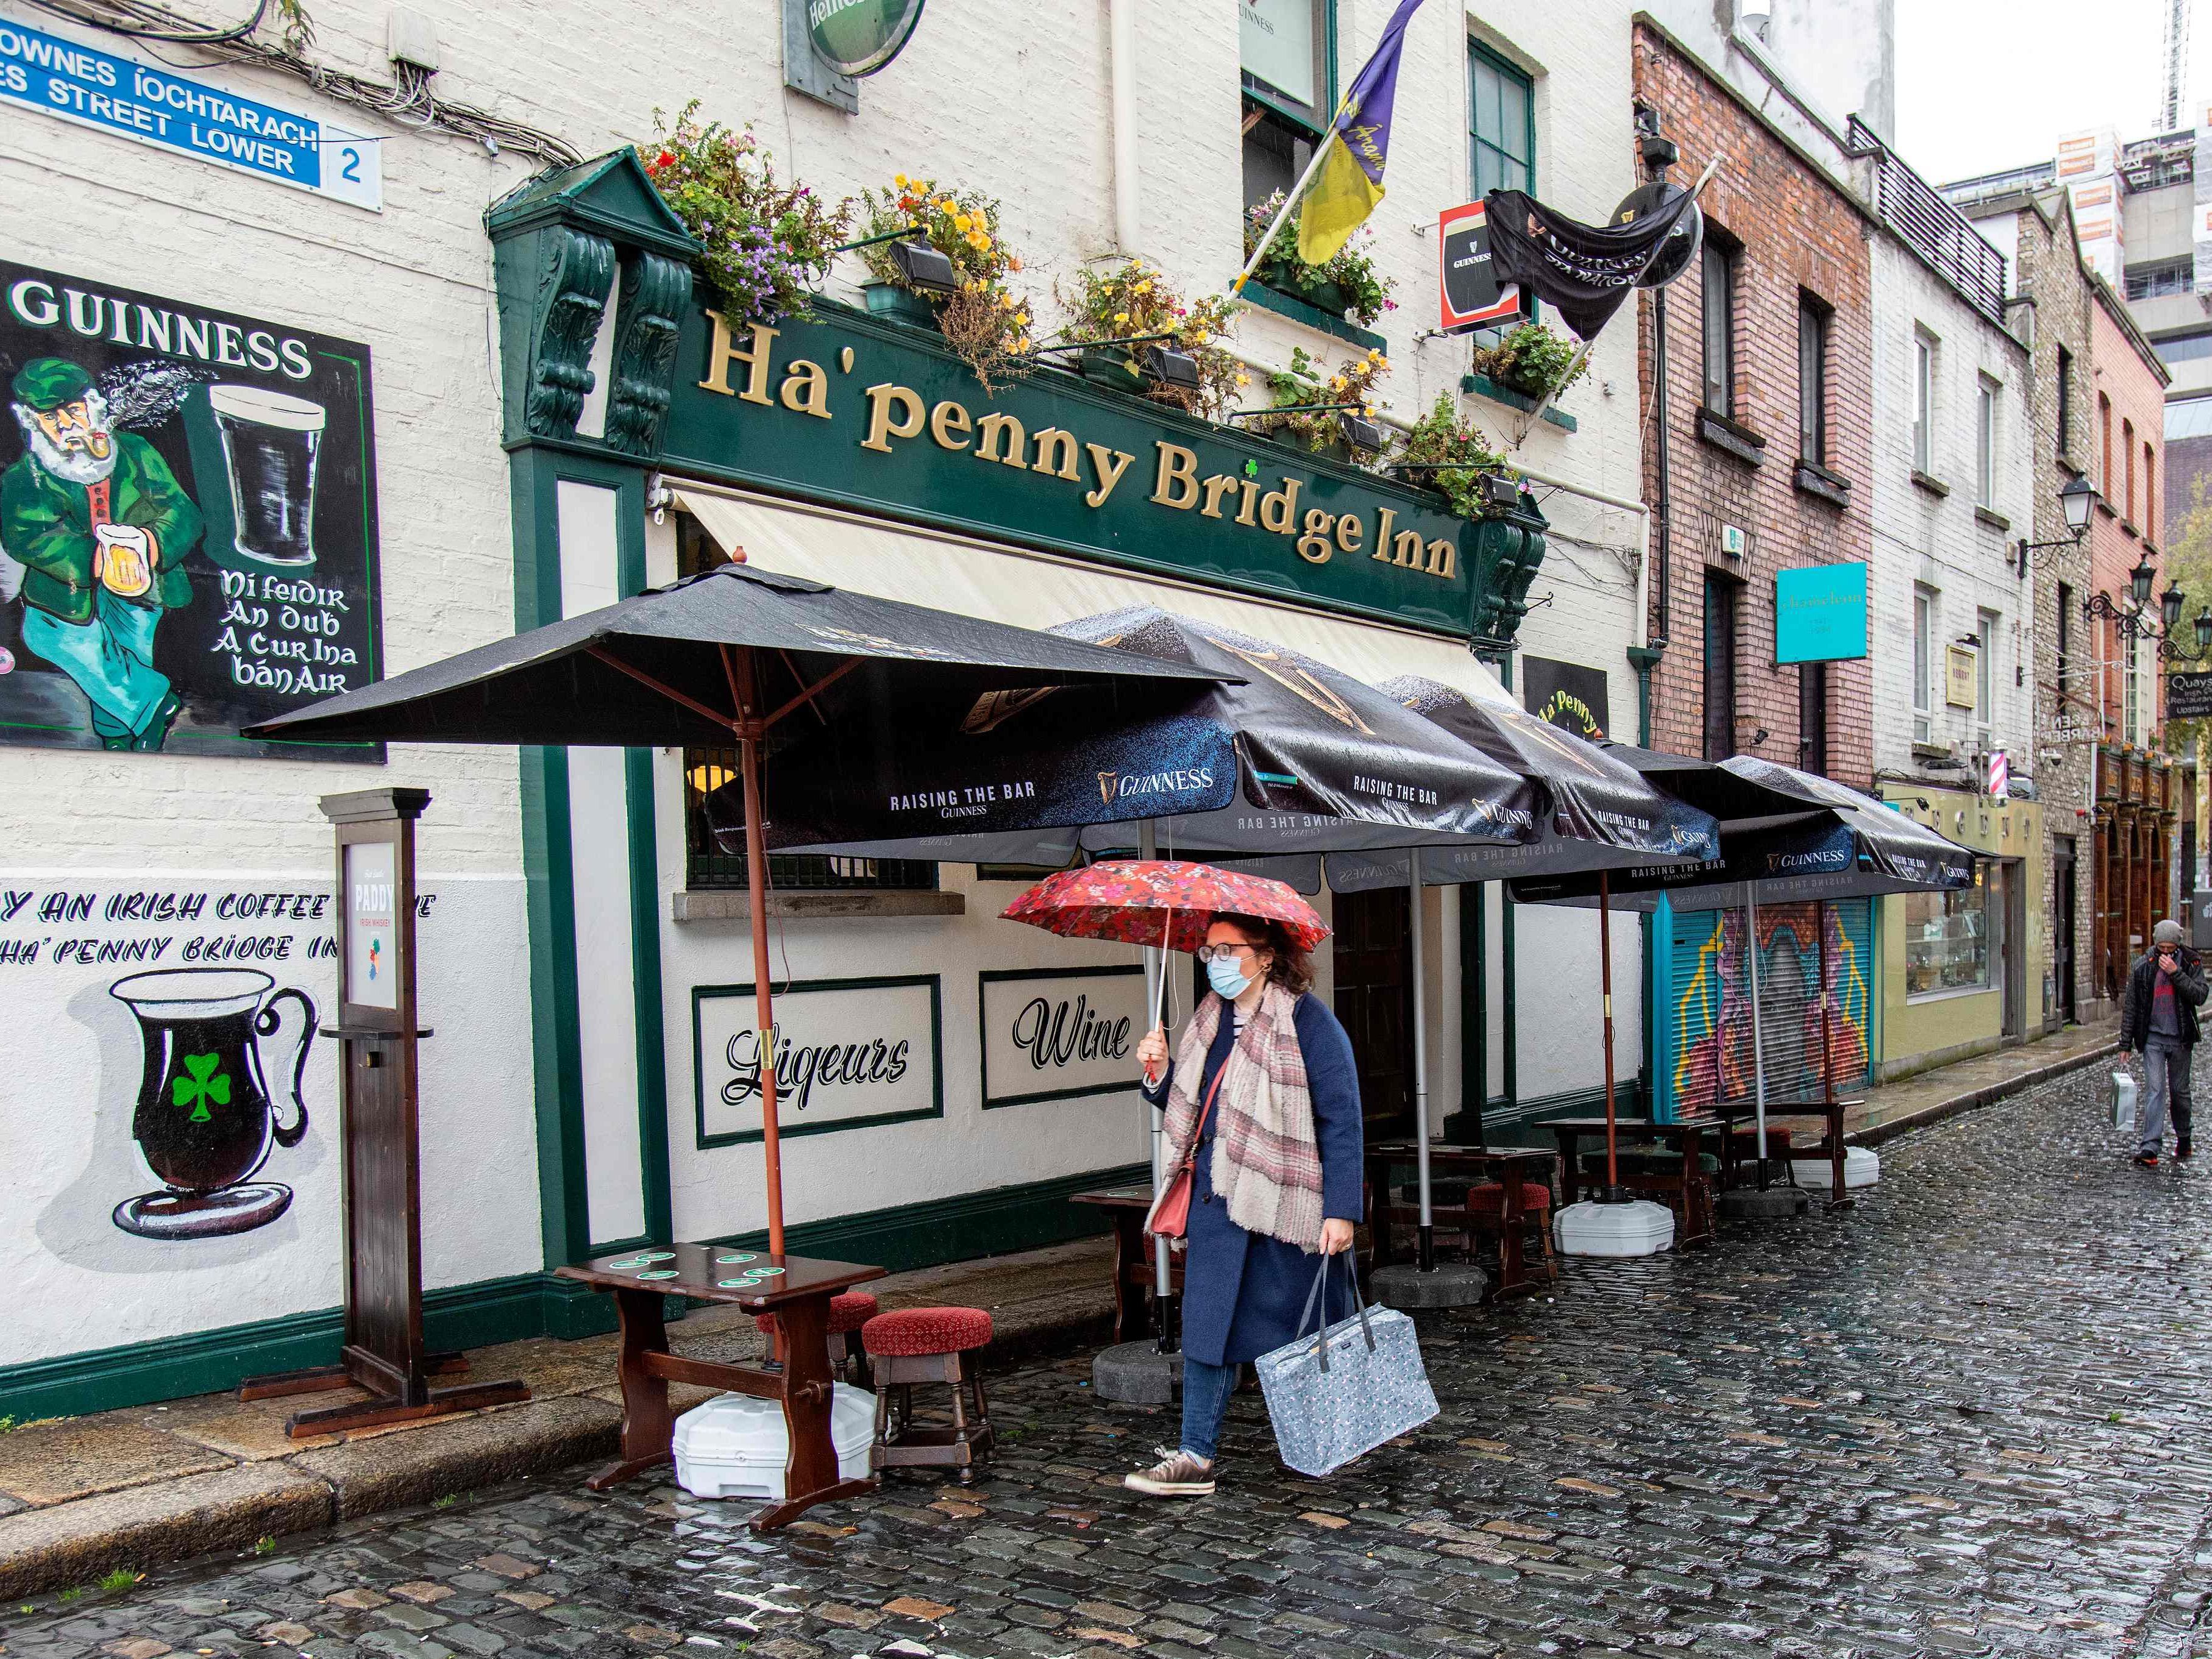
[[848, 1312], [1485, 1207], [929, 1344]]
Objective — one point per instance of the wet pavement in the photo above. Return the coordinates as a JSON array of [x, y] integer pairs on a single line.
[[1968, 1416]]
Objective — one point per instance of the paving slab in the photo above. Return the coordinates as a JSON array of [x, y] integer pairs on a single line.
[[53, 1462], [456, 1455]]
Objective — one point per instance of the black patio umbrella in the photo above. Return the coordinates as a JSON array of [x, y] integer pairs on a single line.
[[728, 656], [1597, 812]]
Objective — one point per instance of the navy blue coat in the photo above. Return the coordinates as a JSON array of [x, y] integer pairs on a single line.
[[1243, 1293]]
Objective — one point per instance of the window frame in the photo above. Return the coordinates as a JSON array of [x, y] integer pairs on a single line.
[[1722, 254], [1956, 905], [1477, 53], [1923, 402], [1813, 386], [2128, 468], [2062, 643], [1923, 663], [2100, 452], [1985, 441], [1730, 593], [2131, 698], [1259, 92], [2150, 491], [2065, 372], [1986, 677]]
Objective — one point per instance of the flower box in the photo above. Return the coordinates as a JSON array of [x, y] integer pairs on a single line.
[[901, 305]]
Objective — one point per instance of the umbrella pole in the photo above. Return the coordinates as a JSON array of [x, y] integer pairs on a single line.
[[1148, 847], [749, 741], [1605, 985], [1828, 1062], [1426, 1260], [1758, 1050]]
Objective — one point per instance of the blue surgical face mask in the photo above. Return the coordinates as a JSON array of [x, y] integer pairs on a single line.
[[1227, 977]]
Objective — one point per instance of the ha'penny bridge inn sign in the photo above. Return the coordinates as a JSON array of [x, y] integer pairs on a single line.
[[852, 409]]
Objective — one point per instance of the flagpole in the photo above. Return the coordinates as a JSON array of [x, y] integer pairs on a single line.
[[1290, 202], [1582, 357]]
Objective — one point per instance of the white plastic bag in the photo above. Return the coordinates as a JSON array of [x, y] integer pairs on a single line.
[[2124, 1095]]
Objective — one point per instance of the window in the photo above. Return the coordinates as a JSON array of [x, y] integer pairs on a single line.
[[1985, 668], [1720, 664], [1813, 718], [2128, 469], [1985, 443], [1947, 943], [1717, 278], [1923, 403], [1501, 123], [1812, 380], [2130, 728], [2101, 456], [2065, 401], [2062, 637], [2150, 492], [1923, 663], [1287, 72], [2182, 348], [2158, 278]]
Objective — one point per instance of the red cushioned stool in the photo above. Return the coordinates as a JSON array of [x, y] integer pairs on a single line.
[[929, 1344], [848, 1312], [1486, 1200]]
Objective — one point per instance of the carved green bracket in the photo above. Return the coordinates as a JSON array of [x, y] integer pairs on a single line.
[[558, 241], [1508, 549]]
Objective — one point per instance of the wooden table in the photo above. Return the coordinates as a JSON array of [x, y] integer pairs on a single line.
[[798, 1296], [1686, 1138], [1507, 1165], [1127, 1208], [1828, 1113]]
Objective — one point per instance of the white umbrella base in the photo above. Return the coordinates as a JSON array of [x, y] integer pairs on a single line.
[[1136, 1374], [1817, 1176], [1761, 1204], [1447, 1284], [1638, 1227]]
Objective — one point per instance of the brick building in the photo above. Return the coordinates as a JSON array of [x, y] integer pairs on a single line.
[[1785, 280]]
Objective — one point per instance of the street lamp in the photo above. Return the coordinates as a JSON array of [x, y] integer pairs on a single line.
[[2169, 606], [2077, 500], [2139, 581]]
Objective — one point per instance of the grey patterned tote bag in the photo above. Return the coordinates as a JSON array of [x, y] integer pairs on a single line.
[[1337, 1395]]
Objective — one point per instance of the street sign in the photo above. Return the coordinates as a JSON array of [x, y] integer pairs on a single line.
[[1468, 293], [2188, 697]]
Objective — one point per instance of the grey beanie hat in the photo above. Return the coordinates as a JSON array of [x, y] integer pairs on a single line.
[[2167, 933]]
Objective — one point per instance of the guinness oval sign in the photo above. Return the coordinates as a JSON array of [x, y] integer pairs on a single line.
[[858, 37]]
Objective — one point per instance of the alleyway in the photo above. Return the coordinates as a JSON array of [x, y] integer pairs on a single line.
[[1969, 1417]]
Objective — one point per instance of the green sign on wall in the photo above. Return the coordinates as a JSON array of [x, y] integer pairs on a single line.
[[858, 37], [842, 407]]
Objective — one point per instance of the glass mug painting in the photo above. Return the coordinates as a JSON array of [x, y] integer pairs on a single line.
[[270, 443]]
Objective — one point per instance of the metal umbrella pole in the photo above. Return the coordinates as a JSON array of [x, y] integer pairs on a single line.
[[1838, 1195], [1746, 1203], [1156, 969], [1605, 986]]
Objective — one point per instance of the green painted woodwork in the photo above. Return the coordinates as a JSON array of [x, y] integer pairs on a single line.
[[1298, 311], [1483, 386], [655, 293], [848, 408]]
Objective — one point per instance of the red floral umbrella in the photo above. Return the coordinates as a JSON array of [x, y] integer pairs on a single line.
[[1166, 903]]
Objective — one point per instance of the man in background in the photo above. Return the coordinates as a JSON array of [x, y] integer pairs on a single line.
[[2158, 1015]]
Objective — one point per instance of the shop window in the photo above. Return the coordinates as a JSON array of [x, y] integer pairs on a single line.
[[1285, 60], [705, 770], [1722, 594], [1985, 442], [1947, 939], [1812, 380], [1924, 664], [1923, 402], [2065, 401], [1716, 274]]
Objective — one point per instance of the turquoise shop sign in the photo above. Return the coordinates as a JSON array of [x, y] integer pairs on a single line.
[[1820, 613]]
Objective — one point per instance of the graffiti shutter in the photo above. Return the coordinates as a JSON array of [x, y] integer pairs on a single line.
[[1711, 1008]]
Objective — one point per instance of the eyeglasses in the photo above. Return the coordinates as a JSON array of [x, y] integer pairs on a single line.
[[1219, 952]]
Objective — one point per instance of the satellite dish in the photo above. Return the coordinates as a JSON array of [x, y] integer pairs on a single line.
[[1680, 250]]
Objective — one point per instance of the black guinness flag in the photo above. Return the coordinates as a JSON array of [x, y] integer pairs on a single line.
[[1585, 270]]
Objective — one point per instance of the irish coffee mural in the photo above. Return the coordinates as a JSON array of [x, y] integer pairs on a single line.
[[187, 526]]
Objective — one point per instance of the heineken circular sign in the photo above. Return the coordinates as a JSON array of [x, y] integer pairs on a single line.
[[858, 37]]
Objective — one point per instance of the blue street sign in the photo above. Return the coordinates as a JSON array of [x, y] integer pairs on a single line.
[[1820, 613]]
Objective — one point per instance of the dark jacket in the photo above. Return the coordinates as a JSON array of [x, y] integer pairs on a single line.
[[1243, 1293], [2189, 993]]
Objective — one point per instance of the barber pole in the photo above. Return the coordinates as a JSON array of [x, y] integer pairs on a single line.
[[2000, 780]]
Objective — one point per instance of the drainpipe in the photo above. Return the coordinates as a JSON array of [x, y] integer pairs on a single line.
[[1121, 31]]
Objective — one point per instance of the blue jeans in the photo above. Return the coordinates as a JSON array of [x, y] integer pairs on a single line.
[[1206, 1391], [2166, 1079], [111, 657]]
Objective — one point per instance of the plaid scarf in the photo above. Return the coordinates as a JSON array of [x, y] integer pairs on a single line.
[[1267, 1164]]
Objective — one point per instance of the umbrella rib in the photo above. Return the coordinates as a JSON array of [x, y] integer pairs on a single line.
[[799, 678], [814, 690], [668, 691]]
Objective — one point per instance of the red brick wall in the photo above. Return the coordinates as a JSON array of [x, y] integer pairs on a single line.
[[2117, 541], [1797, 231]]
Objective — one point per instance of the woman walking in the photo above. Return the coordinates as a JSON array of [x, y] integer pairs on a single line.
[[1266, 1085]]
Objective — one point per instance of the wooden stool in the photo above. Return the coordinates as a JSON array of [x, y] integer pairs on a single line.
[[929, 1344], [1485, 1202], [848, 1312]]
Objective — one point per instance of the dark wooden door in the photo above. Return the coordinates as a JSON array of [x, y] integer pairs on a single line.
[[2061, 926], [1375, 1000]]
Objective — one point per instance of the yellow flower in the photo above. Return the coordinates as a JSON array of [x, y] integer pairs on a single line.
[[1244, 380], [961, 221], [1143, 287], [899, 179], [1022, 318], [1121, 316], [982, 242], [1006, 301]]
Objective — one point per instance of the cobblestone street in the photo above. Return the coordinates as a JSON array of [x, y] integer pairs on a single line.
[[1968, 1417]]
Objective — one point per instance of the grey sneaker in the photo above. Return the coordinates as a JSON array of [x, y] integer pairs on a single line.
[[1177, 1474]]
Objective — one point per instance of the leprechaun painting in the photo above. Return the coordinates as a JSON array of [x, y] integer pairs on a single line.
[[101, 528]]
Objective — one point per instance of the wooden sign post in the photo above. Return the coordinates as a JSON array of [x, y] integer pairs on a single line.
[[382, 1155]]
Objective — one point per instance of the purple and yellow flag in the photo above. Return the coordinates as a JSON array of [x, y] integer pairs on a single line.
[[1350, 182]]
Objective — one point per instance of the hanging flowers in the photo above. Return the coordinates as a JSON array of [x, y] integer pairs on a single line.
[[1115, 300], [984, 322], [763, 246]]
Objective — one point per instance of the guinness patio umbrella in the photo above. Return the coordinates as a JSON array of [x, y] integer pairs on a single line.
[[739, 654], [1803, 838], [1598, 814]]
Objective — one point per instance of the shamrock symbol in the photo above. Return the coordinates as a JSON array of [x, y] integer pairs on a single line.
[[205, 1084], [1251, 469]]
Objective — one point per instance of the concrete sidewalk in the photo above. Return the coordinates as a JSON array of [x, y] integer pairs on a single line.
[[134, 1487]]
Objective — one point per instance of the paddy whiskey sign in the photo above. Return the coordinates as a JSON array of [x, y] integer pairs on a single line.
[[187, 522], [848, 1053]]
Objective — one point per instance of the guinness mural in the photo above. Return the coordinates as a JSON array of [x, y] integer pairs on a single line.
[[188, 527]]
